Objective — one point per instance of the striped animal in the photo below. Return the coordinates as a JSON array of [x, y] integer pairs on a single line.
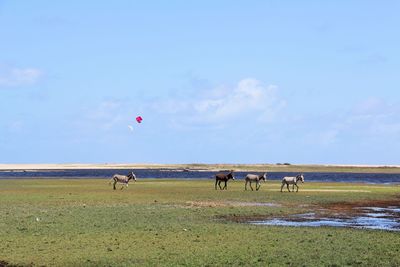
[[123, 179], [222, 177], [250, 178], [293, 181]]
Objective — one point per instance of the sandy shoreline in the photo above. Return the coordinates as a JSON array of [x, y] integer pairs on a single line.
[[210, 167]]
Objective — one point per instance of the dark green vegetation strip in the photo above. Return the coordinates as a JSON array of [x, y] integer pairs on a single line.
[[172, 223]]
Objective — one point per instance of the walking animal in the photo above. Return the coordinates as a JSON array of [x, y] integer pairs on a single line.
[[250, 178], [123, 179], [292, 180], [222, 177]]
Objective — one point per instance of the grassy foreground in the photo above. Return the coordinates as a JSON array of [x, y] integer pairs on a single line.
[[181, 223]]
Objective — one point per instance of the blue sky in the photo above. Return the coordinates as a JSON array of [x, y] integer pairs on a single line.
[[215, 82]]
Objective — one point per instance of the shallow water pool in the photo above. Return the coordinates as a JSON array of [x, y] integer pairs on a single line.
[[377, 218]]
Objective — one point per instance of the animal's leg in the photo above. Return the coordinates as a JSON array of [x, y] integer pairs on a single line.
[[283, 184], [216, 181], [297, 188], [251, 186], [287, 185], [226, 185], [258, 186], [293, 187], [115, 182], [245, 186], [219, 184]]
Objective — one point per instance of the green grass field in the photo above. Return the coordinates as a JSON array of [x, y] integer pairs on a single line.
[[182, 223]]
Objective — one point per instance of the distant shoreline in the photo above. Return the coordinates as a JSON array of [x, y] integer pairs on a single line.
[[212, 167]]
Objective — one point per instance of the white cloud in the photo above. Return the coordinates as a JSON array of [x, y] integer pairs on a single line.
[[376, 116], [371, 119], [248, 98], [370, 106], [248, 95], [14, 77]]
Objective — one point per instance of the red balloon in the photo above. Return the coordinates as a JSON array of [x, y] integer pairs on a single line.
[[139, 119]]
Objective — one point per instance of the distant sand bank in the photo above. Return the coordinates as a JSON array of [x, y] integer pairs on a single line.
[[212, 167]]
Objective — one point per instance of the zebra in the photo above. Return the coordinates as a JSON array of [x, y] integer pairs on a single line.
[[123, 179], [292, 180], [250, 178]]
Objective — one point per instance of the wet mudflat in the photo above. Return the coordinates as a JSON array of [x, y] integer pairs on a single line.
[[343, 215], [383, 220]]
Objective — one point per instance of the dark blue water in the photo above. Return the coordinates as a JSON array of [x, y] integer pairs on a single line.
[[380, 178]]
